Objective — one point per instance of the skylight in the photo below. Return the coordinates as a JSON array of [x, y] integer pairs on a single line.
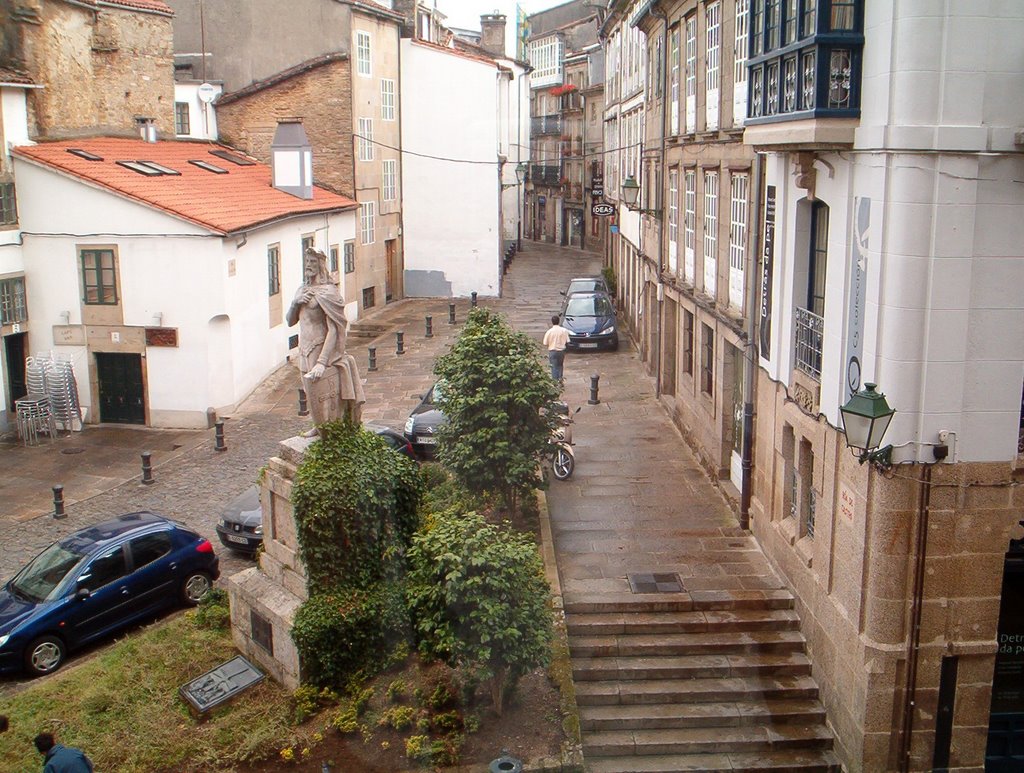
[[84, 154], [160, 168], [241, 161], [142, 169], [207, 166]]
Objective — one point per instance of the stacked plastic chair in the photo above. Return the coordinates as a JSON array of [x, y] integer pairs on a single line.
[[62, 390]]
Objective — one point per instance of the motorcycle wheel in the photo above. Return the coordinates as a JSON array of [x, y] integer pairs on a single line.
[[563, 464]]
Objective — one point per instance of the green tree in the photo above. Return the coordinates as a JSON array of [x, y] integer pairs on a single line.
[[479, 599], [495, 387]]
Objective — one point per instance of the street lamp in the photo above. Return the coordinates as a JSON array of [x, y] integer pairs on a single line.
[[630, 194], [866, 417], [521, 171]]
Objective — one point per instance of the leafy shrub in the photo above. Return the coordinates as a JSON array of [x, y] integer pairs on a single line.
[[346, 631], [398, 717], [495, 389], [308, 700], [417, 747], [395, 690], [213, 612], [479, 599], [609, 279]]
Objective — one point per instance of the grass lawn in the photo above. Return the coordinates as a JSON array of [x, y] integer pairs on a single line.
[[122, 707]]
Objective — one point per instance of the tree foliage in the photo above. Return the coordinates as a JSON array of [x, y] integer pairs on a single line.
[[495, 387], [479, 600]]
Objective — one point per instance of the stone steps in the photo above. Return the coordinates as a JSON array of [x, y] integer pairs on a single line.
[[803, 761], [716, 715], [745, 739], [681, 681], [691, 667], [366, 330]]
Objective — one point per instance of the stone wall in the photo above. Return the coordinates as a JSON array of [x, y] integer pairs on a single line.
[[854, 580], [322, 98], [102, 69]]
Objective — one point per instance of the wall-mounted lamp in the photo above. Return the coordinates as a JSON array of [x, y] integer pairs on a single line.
[[630, 195], [520, 176], [65, 317], [866, 417]]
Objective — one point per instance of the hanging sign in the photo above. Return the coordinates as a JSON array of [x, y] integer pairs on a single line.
[[766, 273], [602, 209]]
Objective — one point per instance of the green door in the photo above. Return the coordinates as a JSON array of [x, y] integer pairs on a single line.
[[122, 400]]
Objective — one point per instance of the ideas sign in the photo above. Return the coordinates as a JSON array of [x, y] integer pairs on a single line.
[[601, 209]]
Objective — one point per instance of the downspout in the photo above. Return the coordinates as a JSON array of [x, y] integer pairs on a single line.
[[657, 13], [401, 170], [750, 352], [916, 607]]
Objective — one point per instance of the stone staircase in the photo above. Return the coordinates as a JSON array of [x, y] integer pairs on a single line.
[[675, 683], [366, 330]]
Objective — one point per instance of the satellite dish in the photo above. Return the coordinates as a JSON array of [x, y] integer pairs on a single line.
[[206, 92]]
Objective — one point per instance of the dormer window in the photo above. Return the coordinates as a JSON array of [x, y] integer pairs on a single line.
[[805, 59]]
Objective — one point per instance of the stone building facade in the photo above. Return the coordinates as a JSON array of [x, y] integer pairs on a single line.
[[104, 66]]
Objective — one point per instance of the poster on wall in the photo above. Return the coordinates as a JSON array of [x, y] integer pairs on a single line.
[[858, 294], [767, 260]]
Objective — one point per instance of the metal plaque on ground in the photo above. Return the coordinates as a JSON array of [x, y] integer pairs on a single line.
[[655, 583], [220, 684]]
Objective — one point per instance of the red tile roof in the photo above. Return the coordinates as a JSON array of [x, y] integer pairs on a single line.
[[8, 75], [157, 6], [224, 203]]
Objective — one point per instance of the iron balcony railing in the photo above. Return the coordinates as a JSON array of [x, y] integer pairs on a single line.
[[545, 174], [809, 329], [546, 124]]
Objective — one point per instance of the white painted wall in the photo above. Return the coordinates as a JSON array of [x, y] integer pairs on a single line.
[[513, 97], [944, 328], [212, 289], [202, 117], [451, 211]]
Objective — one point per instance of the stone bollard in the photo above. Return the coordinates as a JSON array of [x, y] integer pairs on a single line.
[[147, 468], [472, 299], [372, 350], [451, 313], [430, 326], [399, 342], [303, 405], [218, 435], [58, 501], [594, 399]]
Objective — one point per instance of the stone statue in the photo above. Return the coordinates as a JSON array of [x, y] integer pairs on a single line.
[[330, 376]]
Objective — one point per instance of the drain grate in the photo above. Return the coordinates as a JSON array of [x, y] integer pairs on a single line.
[[655, 583]]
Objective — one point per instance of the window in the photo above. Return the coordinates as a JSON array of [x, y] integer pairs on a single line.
[[673, 80], [712, 61], [369, 297], [149, 547], [12, 301], [99, 277], [274, 269], [691, 73], [545, 57], [789, 23], [335, 257], [842, 15], [737, 239], [387, 99], [363, 54], [688, 342], [773, 19], [739, 69], [389, 185], [8, 204], [757, 26], [673, 218], [181, 122], [367, 213], [350, 257], [711, 233], [707, 359], [103, 570], [366, 139], [689, 224], [818, 259], [809, 23], [806, 498]]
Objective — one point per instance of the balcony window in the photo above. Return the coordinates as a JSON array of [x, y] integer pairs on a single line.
[[810, 322], [545, 57], [810, 60]]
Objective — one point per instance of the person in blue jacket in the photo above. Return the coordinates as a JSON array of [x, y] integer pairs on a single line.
[[61, 759]]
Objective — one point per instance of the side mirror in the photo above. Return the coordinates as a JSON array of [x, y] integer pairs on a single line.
[[82, 594], [562, 293]]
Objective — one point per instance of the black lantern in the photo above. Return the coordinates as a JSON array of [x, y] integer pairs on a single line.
[[866, 417]]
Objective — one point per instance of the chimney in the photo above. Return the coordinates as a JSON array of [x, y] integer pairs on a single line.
[[291, 159], [492, 33], [147, 129]]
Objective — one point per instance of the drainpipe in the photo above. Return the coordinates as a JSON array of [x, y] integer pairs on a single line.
[[750, 351], [916, 607]]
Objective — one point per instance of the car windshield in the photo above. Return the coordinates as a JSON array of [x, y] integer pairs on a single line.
[[45, 572], [589, 306], [437, 393], [584, 286]]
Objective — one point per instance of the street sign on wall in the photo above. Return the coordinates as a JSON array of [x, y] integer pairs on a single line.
[[602, 209]]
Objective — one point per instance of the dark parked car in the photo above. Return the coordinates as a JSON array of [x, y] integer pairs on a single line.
[[585, 284], [422, 425], [590, 319], [97, 581], [240, 526]]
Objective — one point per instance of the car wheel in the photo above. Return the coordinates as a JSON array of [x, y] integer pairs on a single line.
[[196, 586], [44, 655], [563, 463]]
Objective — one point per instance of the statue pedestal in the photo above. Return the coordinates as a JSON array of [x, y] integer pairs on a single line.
[[264, 599]]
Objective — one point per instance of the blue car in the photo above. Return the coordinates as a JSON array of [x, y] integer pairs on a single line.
[[97, 581], [590, 320]]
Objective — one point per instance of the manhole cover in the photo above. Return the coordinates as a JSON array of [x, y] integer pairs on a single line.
[[71, 451], [655, 583]]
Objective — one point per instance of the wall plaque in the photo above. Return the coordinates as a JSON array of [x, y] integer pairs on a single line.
[[68, 335], [161, 336]]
